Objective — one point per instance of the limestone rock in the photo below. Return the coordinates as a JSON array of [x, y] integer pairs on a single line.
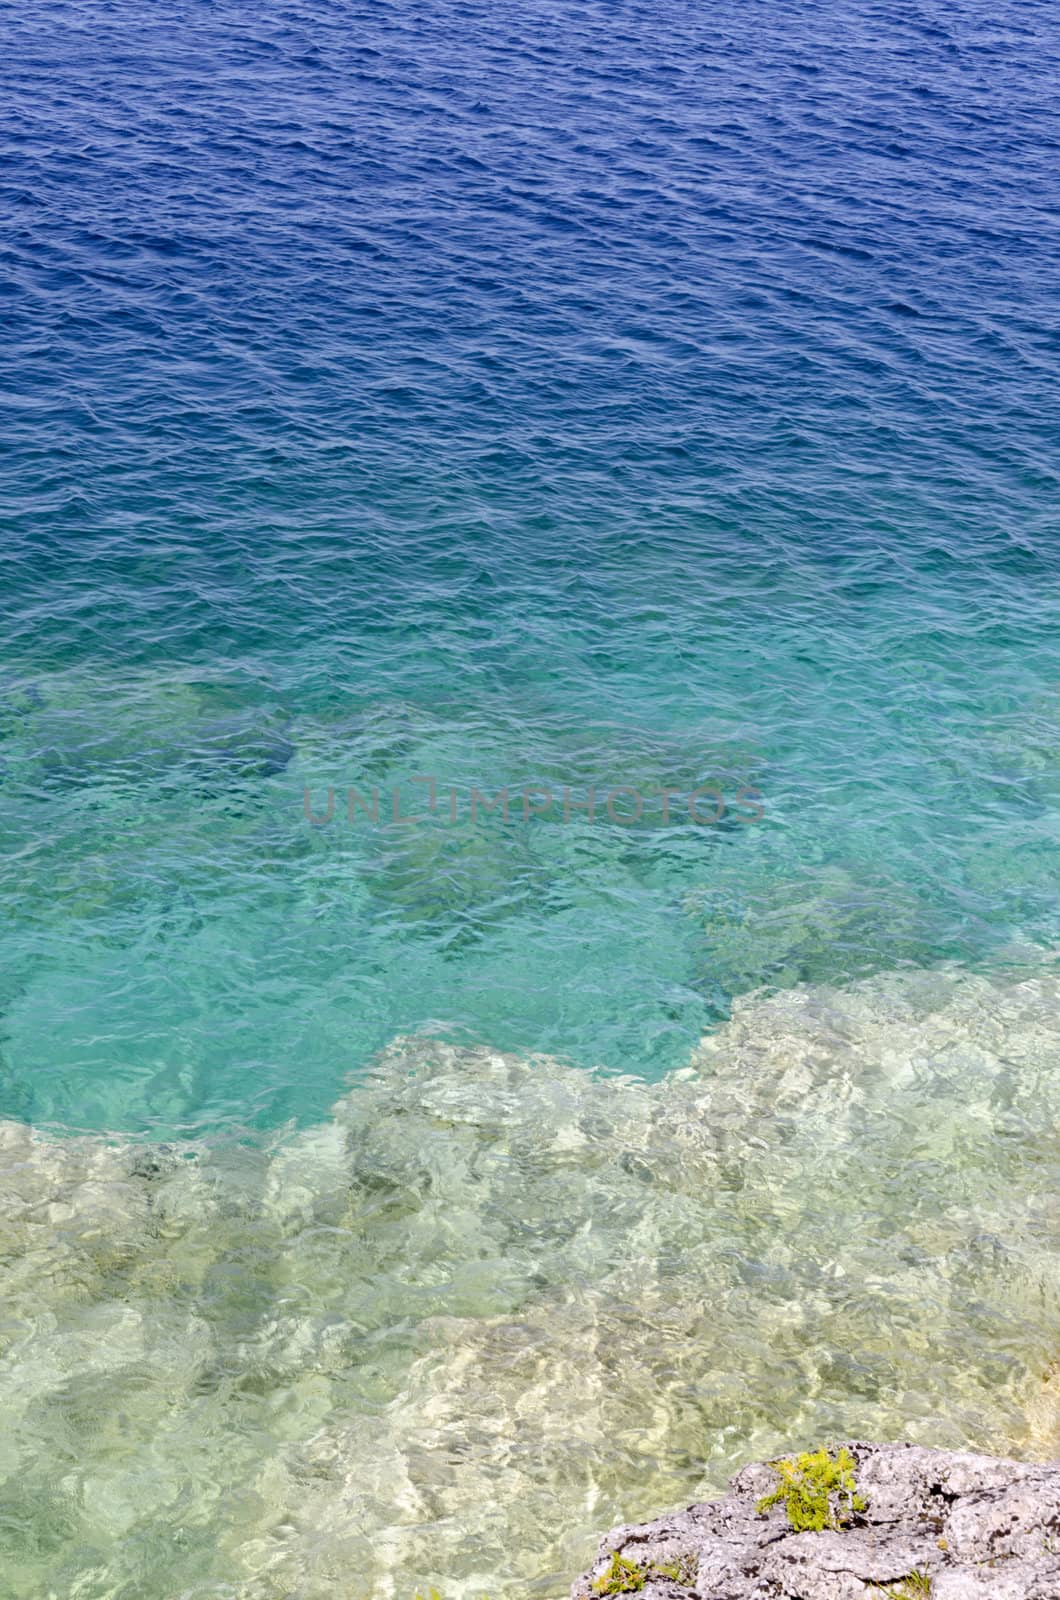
[[980, 1528]]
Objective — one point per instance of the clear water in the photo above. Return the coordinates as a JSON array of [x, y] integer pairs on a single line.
[[587, 397]]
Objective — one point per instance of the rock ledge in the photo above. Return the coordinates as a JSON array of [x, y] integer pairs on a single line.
[[978, 1527]]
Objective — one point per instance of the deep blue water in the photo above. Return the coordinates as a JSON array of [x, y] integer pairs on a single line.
[[586, 396]]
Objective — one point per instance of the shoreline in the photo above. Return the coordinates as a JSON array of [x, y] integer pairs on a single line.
[[905, 1523]]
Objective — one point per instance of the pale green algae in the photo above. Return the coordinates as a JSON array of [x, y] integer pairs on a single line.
[[494, 1305]]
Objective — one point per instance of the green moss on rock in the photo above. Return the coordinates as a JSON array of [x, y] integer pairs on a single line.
[[817, 1489]]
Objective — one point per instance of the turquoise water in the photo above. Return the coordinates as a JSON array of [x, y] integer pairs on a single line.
[[460, 395], [589, 398]]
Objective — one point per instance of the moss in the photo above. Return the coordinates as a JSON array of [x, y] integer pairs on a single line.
[[915, 1586], [625, 1577], [818, 1490], [682, 1571], [621, 1577]]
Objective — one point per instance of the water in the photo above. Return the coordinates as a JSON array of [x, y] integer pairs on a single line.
[[581, 397]]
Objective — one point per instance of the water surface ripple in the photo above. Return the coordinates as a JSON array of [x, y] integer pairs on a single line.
[[604, 396]]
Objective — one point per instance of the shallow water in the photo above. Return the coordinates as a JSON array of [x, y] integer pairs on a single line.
[[590, 398], [493, 1305]]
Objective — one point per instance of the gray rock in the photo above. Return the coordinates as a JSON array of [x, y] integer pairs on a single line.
[[978, 1527]]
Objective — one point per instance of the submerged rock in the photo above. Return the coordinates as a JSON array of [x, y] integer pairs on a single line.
[[936, 1525], [493, 1302]]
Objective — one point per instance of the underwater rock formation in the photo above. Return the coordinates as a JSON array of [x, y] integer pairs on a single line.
[[491, 1304]]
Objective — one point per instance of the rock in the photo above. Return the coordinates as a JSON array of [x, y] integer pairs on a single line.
[[978, 1527]]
